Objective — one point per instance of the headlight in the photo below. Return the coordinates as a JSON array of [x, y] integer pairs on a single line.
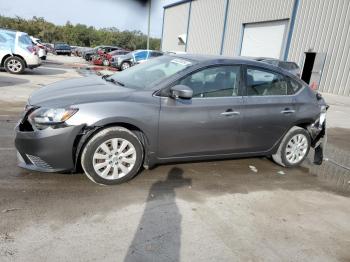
[[50, 116]]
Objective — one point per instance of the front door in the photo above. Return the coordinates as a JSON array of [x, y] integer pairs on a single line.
[[207, 124]]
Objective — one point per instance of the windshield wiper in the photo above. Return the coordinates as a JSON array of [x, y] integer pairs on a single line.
[[105, 76], [112, 80]]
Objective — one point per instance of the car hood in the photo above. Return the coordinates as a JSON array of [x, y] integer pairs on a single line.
[[78, 91]]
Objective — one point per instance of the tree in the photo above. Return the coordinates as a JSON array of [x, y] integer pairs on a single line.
[[79, 34]]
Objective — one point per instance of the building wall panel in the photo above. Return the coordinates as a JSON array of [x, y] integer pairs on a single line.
[[206, 26], [175, 24], [324, 26]]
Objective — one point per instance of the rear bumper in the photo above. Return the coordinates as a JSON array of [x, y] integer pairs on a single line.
[[33, 66], [49, 150], [318, 133], [33, 61]]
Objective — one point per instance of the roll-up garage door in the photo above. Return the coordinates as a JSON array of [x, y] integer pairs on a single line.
[[265, 39]]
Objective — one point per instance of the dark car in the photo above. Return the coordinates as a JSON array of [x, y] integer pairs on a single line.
[[290, 66], [133, 58], [98, 50], [170, 109], [62, 49]]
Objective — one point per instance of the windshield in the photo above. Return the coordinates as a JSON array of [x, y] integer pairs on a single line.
[[142, 76]]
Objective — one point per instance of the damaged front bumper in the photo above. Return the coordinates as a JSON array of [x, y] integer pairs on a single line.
[[49, 150]]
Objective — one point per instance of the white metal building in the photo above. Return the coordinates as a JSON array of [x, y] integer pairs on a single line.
[[313, 33]]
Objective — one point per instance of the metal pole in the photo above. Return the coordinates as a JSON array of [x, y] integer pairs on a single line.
[[149, 22]]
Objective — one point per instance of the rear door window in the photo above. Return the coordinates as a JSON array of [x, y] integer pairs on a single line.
[[155, 54], [261, 82]]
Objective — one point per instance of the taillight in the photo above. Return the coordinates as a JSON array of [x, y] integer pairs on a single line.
[[31, 49]]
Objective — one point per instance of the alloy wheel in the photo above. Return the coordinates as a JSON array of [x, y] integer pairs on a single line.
[[114, 158], [14, 65], [125, 66], [296, 148]]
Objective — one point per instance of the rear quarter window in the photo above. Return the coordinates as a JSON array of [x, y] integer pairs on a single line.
[[24, 41]]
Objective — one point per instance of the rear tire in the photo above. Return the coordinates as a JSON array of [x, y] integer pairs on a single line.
[[112, 156], [294, 148], [14, 65]]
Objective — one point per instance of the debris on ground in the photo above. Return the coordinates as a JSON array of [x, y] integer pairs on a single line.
[[253, 168], [10, 210], [281, 172], [6, 237]]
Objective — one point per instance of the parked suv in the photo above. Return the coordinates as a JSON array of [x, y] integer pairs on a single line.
[[41, 49], [17, 51], [170, 109]]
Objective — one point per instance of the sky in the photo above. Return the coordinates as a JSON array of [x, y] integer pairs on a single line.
[[122, 14]]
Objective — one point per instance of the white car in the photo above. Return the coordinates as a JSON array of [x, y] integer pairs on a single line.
[[40, 48], [17, 51]]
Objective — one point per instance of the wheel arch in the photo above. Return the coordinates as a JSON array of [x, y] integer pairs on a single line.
[[9, 55], [303, 123], [89, 131], [4, 58], [25, 63]]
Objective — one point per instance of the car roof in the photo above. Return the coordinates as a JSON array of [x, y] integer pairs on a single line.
[[12, 30], [213, 59], [270, 59], [209, 58]]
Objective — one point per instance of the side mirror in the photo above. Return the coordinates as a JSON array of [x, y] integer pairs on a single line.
[[181, 91]]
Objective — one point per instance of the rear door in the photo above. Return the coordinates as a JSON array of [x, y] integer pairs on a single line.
[[268, 109], [207, 124]]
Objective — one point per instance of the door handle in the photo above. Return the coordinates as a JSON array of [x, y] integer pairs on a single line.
[[287, 111], [230, 113]]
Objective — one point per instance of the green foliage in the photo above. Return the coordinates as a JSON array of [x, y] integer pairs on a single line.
[[79, 34]]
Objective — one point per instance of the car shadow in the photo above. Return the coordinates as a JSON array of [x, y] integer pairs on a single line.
[[44, 71], [158, 235], [11, 81]]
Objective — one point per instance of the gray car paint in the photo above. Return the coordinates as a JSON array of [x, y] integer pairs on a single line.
[[177, 129]]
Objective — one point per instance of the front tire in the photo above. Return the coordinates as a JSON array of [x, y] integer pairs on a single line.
[[125, 65], [105, 62], [294, 148], [14, 65], [112, 156]]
